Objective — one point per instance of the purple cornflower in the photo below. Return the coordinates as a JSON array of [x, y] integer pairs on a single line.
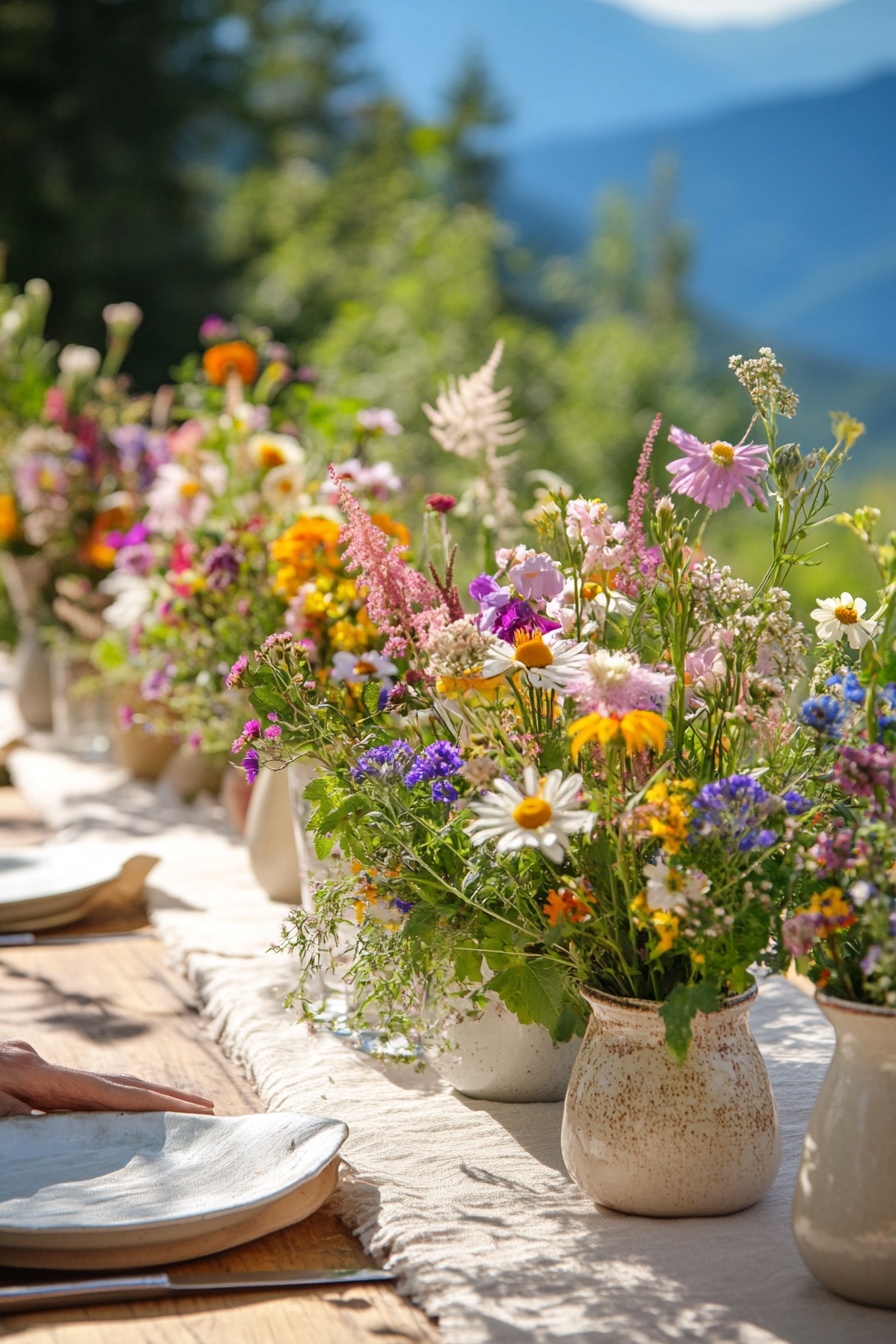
[[221, 567], [711, 473], [250, 765], [236, 672], [868, 772], [443, 792], [440, 760], [403, 906], [386, 762], [731, 810], [823, 714]]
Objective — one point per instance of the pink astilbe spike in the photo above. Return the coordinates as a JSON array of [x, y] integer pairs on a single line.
[[636, 564], [401, 603]]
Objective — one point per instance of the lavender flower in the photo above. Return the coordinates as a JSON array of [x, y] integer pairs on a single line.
[[731, 810], [795, 803], [443, 792], [440, 760], [250, 765], [868, 772], [384, 763]]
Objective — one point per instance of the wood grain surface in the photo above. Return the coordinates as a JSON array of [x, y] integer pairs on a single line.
[[112, 1004]]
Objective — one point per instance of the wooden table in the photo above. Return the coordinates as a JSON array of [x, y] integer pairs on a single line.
[[110, 1003]]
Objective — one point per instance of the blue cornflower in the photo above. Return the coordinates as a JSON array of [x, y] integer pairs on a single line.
[[403, 906], [849, 684], [732, 810], [250, 765], [824, 714], [439, 760], [386, 762], [795, 803], [443, 792]]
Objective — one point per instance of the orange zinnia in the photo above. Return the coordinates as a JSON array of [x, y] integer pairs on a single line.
[[238, 357], [9, 518]]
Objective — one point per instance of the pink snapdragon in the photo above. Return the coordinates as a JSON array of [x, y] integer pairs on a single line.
[[590, 522], [536, 577]]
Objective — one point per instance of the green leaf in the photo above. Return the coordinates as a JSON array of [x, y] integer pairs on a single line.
[[264, 700], [323, 844], [370, 696], [468, 966], [679, 1010], [533, 988]]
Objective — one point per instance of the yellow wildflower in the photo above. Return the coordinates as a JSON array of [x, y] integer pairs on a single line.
[[9, 518], [639, 729]]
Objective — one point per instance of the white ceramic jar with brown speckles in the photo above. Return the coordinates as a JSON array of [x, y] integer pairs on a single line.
[[644, 1134], [844, 1207], [495, 1057]]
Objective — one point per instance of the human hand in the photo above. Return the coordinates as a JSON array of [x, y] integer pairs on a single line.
[[29, 1083]]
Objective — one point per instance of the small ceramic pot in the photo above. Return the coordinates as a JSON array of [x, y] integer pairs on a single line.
[[844, 1207], [494, 1057], [269, 836], [143, 753], [646, 1135]]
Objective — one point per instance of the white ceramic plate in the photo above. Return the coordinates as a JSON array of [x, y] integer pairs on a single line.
[[108, 1190], [48, 884]]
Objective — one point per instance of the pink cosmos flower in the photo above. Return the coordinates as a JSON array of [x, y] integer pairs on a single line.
[[710, 473]]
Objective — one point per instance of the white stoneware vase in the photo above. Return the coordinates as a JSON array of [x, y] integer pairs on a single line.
[[844, 1207], [646, 1135], [494, 1057], [269, 837]]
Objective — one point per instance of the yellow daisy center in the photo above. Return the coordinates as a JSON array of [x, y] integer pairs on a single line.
[[189, 489], [364, 668], [271, 456], [721, 453], [846, 615], [532, 813], [285, 486], [532, 651]]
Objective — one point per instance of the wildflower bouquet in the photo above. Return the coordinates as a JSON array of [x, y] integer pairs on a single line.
[[842, 923], [593, 775], [71, 470], [237, 537]]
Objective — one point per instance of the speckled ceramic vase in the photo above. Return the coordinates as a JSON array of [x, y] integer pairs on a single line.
[[494, 1057], [844, 1207], [645, 1135]]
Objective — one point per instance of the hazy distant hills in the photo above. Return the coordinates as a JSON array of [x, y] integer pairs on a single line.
[[792, 206], [586, 67]]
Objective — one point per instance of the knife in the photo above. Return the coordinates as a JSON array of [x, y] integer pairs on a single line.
[[130, 1288]]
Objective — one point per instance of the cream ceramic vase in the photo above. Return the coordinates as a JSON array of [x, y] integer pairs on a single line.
[[646, 1135], [25, 578], [269, 837], [494, 1057], [844, 1207]]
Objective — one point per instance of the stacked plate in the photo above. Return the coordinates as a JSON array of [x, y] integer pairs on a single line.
[[114, 1190], [51, 884]]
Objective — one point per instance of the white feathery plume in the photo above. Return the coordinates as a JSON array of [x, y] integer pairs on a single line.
[[472, 420]]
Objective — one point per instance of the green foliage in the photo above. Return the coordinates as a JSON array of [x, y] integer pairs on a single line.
[[680, 1009]]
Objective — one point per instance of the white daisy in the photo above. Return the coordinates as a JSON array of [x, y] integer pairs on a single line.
[[669, 888], [356, 668], [274, 450], [839, 616], [547, 662], [540, 816], [283, 488]]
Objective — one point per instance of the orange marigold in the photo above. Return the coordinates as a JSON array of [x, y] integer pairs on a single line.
[[9, 518], [302, 551], [231, 356]]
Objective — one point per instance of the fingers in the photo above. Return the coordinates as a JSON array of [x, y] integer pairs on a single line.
[[10, 1105], [176, 1092]]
